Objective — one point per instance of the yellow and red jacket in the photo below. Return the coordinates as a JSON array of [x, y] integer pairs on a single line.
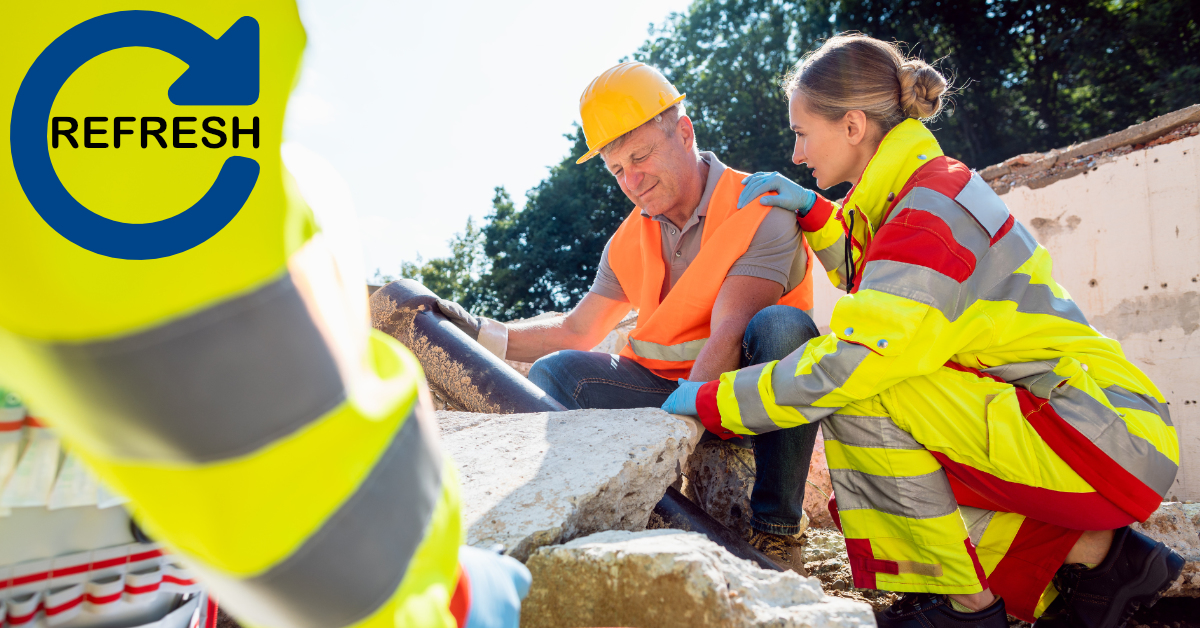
[[233, 391], [940, 273], [670, 334]]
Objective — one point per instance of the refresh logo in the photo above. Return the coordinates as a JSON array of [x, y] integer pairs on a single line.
[[221, 71]]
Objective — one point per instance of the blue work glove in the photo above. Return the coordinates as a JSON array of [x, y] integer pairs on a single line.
[[791, 195], [498, 584], [683, 400]]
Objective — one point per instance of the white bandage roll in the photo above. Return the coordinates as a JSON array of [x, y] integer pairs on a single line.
[[493, 335]]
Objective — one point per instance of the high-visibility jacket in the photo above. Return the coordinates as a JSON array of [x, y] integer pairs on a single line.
[[940, 273], [669, 335], [233, 391]]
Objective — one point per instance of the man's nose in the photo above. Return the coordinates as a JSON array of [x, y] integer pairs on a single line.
[[633, 179]]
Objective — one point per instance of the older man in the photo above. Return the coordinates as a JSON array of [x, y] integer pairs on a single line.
[[716, 287]]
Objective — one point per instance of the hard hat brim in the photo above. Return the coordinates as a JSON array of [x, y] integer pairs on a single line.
[[596, 151]]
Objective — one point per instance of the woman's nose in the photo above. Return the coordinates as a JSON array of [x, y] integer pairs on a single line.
[[798, 154]]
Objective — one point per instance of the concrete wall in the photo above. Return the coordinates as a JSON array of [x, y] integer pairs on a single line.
[[1125, 239]]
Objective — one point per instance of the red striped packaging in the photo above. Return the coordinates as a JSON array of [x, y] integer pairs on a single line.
[[101, 593], [64, 604]]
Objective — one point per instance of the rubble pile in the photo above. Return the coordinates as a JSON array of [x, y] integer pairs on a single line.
[[669, 579]]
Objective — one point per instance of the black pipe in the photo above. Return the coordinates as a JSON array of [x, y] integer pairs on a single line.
[[456, 367], [473, 379], [681, 513]]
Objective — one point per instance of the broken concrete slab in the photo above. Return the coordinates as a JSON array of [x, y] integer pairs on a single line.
[[529, 480], [672, 579], [1178, 526]]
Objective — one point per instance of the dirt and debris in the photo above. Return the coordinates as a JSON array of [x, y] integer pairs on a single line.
[[1038, 170], [825, 559]]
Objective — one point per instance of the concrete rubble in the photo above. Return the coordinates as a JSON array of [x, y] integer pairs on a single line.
[[669, 579], [529, 480]]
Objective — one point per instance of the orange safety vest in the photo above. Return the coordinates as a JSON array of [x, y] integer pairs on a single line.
[[670, 334]]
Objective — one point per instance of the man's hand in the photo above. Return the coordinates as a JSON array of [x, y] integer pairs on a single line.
[[683, 400], [789, 195], [487, 332], [462, 319]]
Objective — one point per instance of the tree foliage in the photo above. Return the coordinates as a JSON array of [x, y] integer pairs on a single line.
[[1033, 75]]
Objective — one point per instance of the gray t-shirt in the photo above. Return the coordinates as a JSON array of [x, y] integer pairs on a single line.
[[775, 252]]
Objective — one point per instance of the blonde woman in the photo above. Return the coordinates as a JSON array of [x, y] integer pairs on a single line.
[[988, 447]]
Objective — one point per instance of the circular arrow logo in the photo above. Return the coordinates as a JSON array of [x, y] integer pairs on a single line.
[[221, 71]]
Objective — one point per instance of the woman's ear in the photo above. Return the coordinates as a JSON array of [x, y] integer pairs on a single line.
[[854, 124]]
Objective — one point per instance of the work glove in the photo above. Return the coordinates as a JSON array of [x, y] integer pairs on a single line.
[[491, 334], [498, 584], [683, 400], [791, 195]]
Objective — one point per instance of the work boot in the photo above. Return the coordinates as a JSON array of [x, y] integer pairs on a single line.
[[932, 610], [1135, 573], [786, 551]]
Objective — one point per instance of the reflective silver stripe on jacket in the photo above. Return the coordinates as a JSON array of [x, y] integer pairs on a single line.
[[1109, 432], [1121, 398], [872, 432], [916, 497], [830, 372], [213, 385], [984, 204], [1098, 423], [682, 352], [977, 520], [750, 404], [833, 257], [354, 563]]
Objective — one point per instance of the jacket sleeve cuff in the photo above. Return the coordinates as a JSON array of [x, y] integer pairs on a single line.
[[710, 415], [816, 217]]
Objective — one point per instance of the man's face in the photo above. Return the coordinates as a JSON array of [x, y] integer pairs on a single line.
[[651, 164]]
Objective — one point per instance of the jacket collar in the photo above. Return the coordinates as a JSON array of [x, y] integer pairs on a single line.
[[907, 147]]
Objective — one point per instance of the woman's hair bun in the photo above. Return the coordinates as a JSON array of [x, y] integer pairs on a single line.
[[921, 89]]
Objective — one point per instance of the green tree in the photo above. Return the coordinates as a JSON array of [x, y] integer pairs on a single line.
[[1033, 75]]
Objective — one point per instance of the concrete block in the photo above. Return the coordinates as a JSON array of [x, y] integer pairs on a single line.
[[529, 480], [672, 579]]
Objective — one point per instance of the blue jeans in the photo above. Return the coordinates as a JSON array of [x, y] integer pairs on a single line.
[[584, 379]]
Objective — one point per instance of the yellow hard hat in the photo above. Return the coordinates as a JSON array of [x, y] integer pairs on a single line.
[[620, 100]]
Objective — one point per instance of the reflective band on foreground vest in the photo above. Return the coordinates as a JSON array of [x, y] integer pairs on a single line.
[[233, 391], [670, 334]]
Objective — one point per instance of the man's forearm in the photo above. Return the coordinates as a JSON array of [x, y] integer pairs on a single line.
[[530, 340], [720, 353]]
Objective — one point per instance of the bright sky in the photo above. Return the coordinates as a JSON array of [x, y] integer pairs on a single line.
[[424, 108]]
